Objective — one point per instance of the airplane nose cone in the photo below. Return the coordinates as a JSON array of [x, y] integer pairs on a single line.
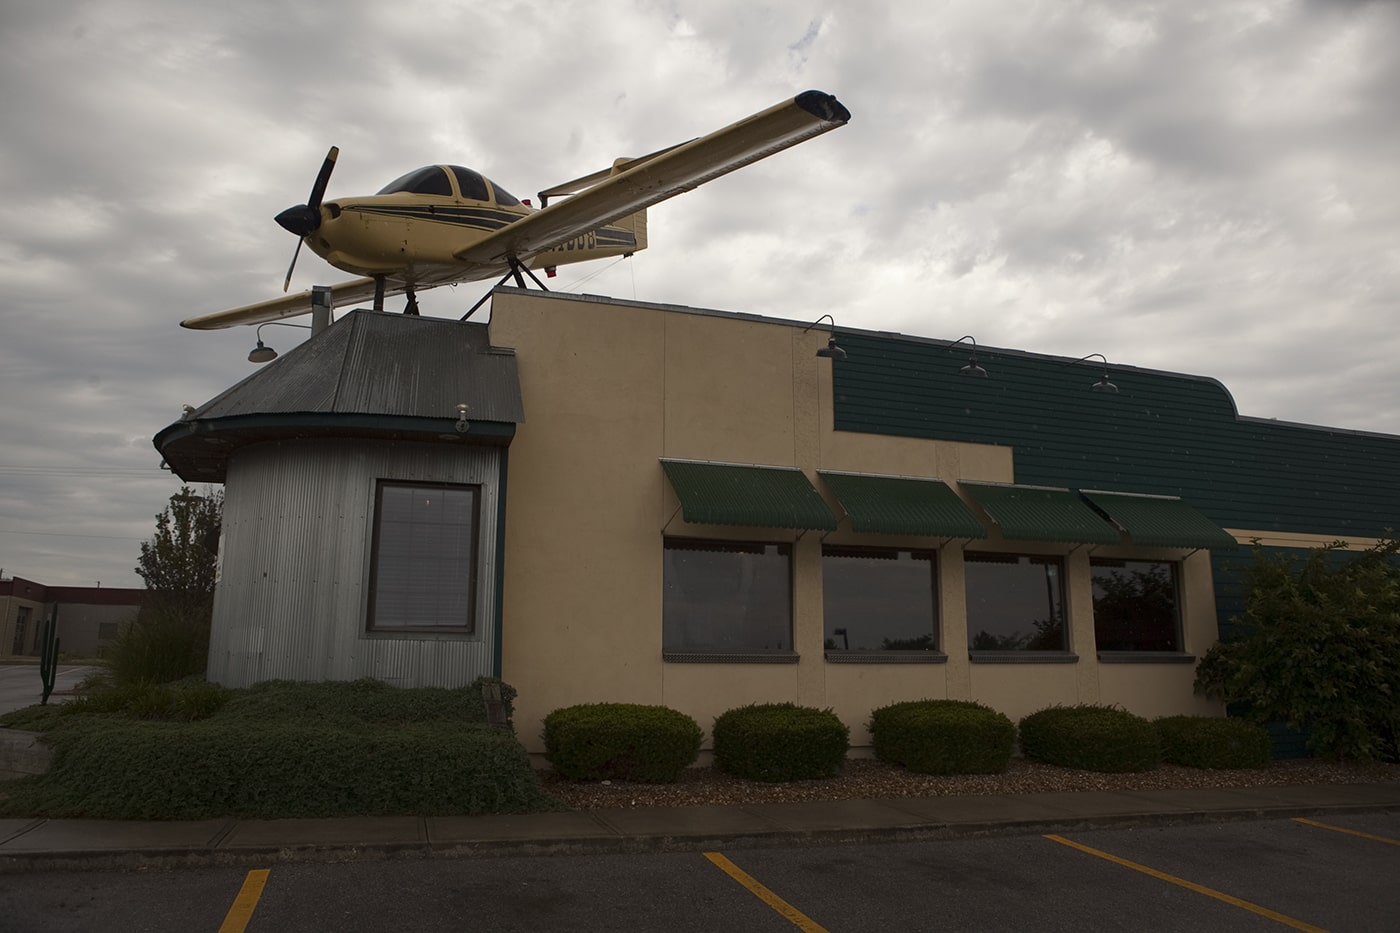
[[300, 220]]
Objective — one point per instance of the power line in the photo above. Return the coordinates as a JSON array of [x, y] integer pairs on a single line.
[[69, 534]]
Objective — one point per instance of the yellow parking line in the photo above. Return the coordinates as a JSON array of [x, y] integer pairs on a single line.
[[1191, 886], [243, 905], [793, 915], [1350, 832]]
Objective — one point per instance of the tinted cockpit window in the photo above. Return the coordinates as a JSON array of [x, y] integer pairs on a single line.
[[473, 185], [428, 180], [504, 197]]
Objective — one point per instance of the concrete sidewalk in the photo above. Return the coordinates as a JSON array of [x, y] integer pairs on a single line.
[[37, 845]]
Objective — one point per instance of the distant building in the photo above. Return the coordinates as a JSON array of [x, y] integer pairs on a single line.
[[88, 616], [660, 504]]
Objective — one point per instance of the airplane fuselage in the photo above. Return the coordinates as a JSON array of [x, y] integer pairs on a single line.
[[416, 238]]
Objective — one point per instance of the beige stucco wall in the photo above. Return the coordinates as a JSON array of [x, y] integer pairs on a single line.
[[611, 388]]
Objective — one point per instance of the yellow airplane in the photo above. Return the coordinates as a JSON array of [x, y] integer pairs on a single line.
[[444, 224]]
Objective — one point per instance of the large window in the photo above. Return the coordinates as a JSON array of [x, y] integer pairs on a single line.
[[878, 600], [724, 597], [1015, 603], [423, 568], [1135, 605]]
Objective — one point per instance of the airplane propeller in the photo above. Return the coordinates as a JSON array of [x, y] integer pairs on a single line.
[[305, 218]]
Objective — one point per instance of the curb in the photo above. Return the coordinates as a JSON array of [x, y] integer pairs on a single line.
[[203, 857]]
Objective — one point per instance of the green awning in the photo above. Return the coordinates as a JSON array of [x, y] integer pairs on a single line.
[[761, 496], [898, 505], [1159, 521], [1041, 513]]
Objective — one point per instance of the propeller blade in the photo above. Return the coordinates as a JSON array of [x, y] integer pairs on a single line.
[[295, 253], [318, 190]]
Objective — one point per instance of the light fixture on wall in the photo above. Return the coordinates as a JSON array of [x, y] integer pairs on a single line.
[[265, 354], [1103, 385], [462, 425], [971, 368], [831, 351]]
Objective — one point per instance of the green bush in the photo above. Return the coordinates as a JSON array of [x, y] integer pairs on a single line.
[[780, 742], [1092, 738], [626, 741], [943, 737], [352, 702], [1212, 742], [164, 643], [181, 701], [1319, 650], [160, 770]]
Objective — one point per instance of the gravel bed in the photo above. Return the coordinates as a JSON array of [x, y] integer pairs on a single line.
[[869, 779]]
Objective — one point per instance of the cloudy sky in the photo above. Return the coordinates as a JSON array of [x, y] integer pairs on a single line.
[[1203, 188]]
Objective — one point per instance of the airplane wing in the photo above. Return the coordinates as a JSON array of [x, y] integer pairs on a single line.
[[662, 175], [345, 293]]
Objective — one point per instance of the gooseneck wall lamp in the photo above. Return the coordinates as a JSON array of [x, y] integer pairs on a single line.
[[1103, 385], [971, 368], [265, 354], [831, 351]]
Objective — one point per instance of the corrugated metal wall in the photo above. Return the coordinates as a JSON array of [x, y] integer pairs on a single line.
[[295, 566]]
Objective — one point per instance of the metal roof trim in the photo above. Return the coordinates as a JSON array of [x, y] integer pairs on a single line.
[[903, 505], [1158, 521], [750, 494], [1042, 513]]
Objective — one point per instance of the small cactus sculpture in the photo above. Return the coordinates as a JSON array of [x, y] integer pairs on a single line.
[[48, 657]]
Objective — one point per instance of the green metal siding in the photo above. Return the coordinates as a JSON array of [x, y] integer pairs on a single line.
[[759, 496], [1154, 521], [1027, 513], [903, 506], [1163, 433]]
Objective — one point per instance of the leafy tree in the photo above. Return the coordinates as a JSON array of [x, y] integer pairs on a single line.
[[180, 563], [1321, 650], [169, 638]]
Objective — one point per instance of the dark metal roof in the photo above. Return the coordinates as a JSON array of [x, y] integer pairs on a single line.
[[735, 494], [370, 374], [903, 506], [1039, 513], [1159, 521]]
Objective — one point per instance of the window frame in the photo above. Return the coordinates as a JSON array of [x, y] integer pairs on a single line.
[[846, 655], [468, 628], [1064, 654], [740, 655], [1179, 617]]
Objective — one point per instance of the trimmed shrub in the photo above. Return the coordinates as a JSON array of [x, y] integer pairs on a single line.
[[158, 770], [626, 741], [780, 742], [943, 737], [352, 702], [1092, 738], [1213, 742]]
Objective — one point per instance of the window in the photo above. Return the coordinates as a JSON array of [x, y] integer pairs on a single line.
[[471, 184], [1135, 605], [430, 179], [878, 600], [423, 563], [21, 623], [726, 597], [1015, 603]]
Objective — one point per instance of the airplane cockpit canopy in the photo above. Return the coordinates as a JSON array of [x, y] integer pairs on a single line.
[[437, 179]]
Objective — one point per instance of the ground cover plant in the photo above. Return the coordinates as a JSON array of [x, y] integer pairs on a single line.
[[780, 742], [623, 741], [276, 750], [1092, 738], [943, 737], [1213, 742]]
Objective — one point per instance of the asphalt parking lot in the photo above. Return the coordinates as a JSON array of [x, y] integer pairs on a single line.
[[1335, 874]]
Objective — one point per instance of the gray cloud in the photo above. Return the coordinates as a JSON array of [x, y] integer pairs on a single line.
[[1207, 189]]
